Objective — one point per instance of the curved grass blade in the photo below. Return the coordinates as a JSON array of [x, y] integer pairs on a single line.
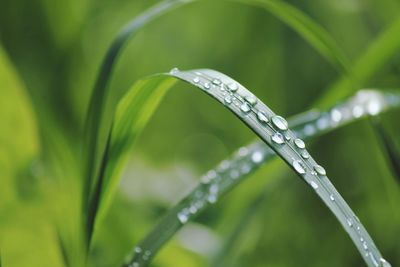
[[271, 128], [316, 36], [382, 49], [97, 126], [228, 175], [388, 146]]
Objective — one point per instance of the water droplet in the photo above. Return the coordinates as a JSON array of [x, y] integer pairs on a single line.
[[207, 86], [384, 263], [279, 122], [212, 198], [228, 99], [196, 79], [243, 151], [332, 198], [251, 100], [358, 111], [287, 137], [209, 177], [193, 209], [216, 82], [350, 222], [214, 189], [299, 143], [225, 164], [336, 115], [305, 155], [361, 239], [234, 174], [245, 107], [323, 123], [135, 264], [174, 71], [138, 250], [309, 130], [314, 184], [146, 255], [320, 170], [233, 87], [299, 166], [262, 117], [183, 217], [373, 259], [257, 157], [245, 169], [278, 138], [374, 107], [365, 246]]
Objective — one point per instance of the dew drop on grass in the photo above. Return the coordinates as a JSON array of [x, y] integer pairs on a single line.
[[212, 198], [216, 82], [320, 170], [251, 100], [314, 184], [196, 79], [358, 111], [373, 107], [332, 198], [174, 70], [138, 250], [299, 166], [373, 259], [278, 138], [279, 122], [299, 143], [228, 100], [233, 87], [305, 155], [183, 216], [336, 115], [262, 117], [384, 263], [207, 86], [257, 157], [245, 107], [350, 222], [234, 174]]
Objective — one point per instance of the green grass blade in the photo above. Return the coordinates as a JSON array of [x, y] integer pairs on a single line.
[[312, 32], [388, 146], [220, 259], [306, 125], [382, 49], [135, 108], [97, 125]]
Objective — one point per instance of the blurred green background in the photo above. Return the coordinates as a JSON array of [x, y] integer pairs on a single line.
[[49, 58]]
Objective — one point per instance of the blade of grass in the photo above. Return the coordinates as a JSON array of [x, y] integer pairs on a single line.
[[97, 126], [245, 219], [134, 109], [312, 32], [307, 125], [382, 49], [388, 146]]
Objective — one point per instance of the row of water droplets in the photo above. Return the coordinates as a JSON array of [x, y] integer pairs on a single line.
[[247, 159], [363, 104]]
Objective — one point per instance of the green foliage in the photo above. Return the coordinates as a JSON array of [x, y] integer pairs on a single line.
[[63, 153]]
